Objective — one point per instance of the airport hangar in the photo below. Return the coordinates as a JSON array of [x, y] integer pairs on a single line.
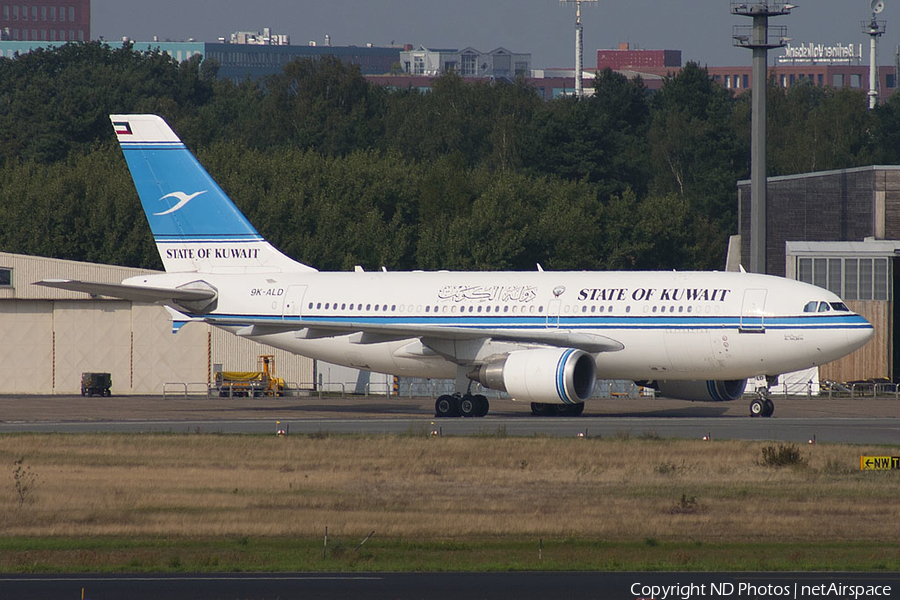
[[839, 230], [51, 336]]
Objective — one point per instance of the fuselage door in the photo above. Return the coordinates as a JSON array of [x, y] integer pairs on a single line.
[[553, 310], [753, 311], [293, 302]]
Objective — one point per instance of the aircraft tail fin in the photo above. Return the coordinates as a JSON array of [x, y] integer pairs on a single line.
[[196, 226]]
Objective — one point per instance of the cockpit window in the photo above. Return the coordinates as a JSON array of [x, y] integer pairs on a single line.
[[814, 306]]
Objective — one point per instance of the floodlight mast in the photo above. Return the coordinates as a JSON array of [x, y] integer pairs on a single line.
[[874, 29], [579, 45], [759, 37]]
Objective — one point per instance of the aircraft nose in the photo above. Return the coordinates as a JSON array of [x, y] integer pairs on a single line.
[[858, 337]]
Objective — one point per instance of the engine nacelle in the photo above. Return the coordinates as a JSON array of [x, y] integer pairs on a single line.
[[707, 391], [545, 375]]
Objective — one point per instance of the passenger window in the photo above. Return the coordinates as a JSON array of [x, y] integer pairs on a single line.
[[427, 308], [810, 306]]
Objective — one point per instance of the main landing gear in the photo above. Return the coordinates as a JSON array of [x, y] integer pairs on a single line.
[[461, 405], [762, 406], [539, 409]]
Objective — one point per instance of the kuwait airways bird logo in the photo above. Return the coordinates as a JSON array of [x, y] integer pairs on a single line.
[[182, 200]]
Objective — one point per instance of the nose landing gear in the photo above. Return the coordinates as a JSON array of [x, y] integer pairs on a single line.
[[763, 405]]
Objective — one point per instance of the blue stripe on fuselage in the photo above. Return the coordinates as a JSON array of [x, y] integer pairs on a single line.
[[528, 322]]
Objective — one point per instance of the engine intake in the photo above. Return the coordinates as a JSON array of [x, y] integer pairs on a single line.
[[545, 375]]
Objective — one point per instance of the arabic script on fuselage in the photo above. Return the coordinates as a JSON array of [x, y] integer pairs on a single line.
[[488, 293]]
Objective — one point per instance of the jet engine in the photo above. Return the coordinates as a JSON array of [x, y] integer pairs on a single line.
[[545, 375], [707, 391]]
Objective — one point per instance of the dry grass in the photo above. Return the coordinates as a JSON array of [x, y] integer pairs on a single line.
[[614, 489]]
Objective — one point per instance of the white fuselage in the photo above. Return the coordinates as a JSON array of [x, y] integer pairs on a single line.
[[671, 325]]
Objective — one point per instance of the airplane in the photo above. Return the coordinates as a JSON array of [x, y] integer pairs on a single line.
[[543, 337]]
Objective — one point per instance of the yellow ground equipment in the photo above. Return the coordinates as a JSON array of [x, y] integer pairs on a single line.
[[261, 382]]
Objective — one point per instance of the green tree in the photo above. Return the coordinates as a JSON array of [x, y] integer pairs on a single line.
[[601, 139], [696, 153], [813, 128]]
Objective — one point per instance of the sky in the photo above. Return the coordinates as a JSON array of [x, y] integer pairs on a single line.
[[701, 29]]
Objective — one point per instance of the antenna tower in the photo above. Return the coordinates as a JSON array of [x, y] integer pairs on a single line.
[[874, 29], [579, 46], [759, 37]]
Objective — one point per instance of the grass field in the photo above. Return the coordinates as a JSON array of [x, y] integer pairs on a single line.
[[212, 502]]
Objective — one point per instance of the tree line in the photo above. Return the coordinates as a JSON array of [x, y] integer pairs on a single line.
[[337, 171]]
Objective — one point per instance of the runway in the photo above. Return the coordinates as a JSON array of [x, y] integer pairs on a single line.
[[857, 421]]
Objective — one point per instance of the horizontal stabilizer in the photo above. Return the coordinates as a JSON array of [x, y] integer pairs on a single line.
[[135, 293]]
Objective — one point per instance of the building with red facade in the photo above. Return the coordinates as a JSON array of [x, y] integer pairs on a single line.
[[45, 20], [633, 59], [838, 75]]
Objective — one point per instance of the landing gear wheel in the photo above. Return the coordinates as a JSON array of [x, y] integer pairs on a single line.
[[446, 406], [575, 410], [468, 406], [539, 409], [758, 408], [482, 404], [770, 408]]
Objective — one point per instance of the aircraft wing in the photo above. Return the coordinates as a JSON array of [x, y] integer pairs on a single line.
[[135, 293], [367, 332], [372, 333]]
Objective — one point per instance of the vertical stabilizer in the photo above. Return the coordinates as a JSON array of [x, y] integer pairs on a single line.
[[196, 226]]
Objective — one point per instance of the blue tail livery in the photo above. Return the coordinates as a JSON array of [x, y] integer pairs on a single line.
[[197, 228]]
